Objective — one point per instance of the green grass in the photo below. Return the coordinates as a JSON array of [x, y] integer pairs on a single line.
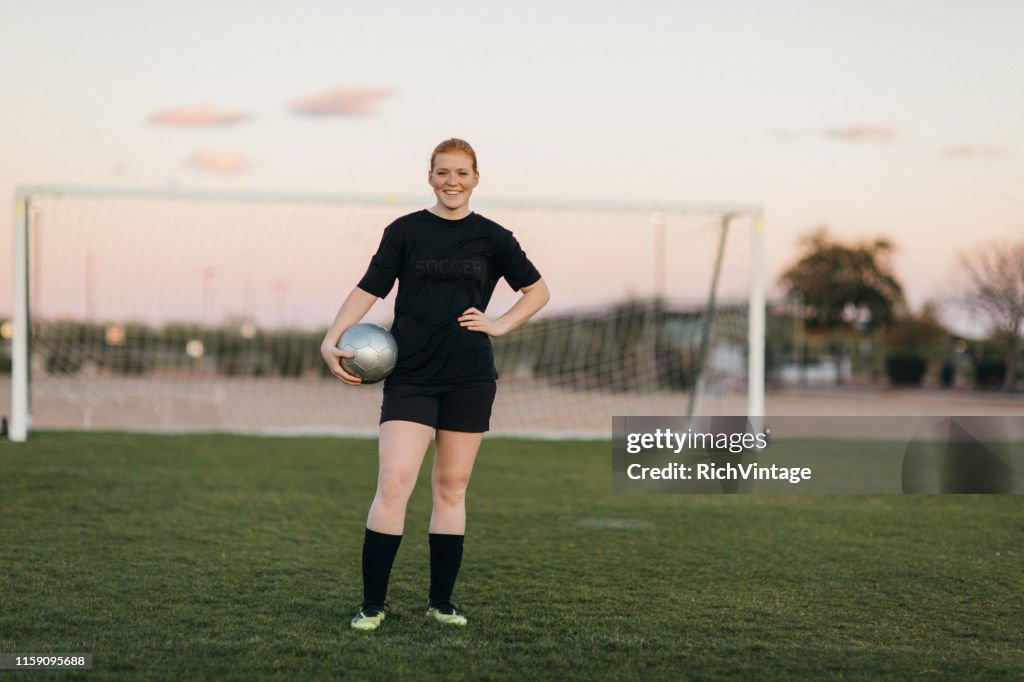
[[184, 557]]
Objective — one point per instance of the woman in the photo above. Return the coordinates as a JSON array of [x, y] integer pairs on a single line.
[[447, 260]]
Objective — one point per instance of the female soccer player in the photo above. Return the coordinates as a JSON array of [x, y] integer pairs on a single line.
[[447, 261]]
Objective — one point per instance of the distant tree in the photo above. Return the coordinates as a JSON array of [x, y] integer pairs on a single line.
[[914, 341], [844, 287], [994, 291], [923, 334]]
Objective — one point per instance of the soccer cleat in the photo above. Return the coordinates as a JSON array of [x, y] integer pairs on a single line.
[[443, 612], [370, 616]]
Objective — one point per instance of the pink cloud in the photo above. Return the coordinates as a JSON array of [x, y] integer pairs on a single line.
[[198, 116], [224, 163], [340, 102], [862, 133], [970, 151]]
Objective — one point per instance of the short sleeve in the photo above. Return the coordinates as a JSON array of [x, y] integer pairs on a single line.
[[515, 267], [385, 265]]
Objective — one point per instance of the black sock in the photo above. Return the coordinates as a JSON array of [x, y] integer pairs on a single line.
[[445, 559], [379, 550]]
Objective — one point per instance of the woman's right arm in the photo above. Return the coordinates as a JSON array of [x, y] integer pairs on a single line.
[[356, 305]]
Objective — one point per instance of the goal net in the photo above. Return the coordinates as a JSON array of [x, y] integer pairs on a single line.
[[190, 312]]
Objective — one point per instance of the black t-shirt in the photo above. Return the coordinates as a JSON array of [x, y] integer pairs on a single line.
[[444, 267]]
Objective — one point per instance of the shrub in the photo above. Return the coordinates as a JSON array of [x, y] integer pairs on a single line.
[[990, 374], [905, 370]]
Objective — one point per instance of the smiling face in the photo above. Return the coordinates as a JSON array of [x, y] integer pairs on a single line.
[[453, 180]]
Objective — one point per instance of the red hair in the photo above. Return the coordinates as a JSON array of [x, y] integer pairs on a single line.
[[451, 145]]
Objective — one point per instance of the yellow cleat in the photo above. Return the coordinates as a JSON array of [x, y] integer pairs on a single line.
[[369, 617], [445, 614]]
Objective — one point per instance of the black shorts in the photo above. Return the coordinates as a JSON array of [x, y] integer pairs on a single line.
[[451, 407]]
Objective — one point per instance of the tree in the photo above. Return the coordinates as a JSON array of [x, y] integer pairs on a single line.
[[845, 287], [994, 291], [912, 342]]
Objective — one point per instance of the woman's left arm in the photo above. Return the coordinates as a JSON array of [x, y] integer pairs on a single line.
[[533, 299]]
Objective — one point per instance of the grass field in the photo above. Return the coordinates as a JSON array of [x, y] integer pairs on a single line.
[[202, 557]]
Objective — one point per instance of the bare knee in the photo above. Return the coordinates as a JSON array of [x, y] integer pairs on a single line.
[[394, 490], [451, 489]]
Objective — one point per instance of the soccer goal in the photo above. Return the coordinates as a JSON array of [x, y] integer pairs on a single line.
[[181, 311]]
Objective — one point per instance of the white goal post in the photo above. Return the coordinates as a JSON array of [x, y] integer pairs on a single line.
[[20, 414], [181, 311]]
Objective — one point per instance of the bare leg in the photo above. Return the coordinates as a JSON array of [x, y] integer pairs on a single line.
[[402, 446], [453, 464]]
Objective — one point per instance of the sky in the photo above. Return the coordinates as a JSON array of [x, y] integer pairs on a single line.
[[900, 119]]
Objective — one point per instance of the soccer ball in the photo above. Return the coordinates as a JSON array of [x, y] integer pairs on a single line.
[[375, 352]]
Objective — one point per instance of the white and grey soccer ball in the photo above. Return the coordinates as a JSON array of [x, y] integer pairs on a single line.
[[375, 351]]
